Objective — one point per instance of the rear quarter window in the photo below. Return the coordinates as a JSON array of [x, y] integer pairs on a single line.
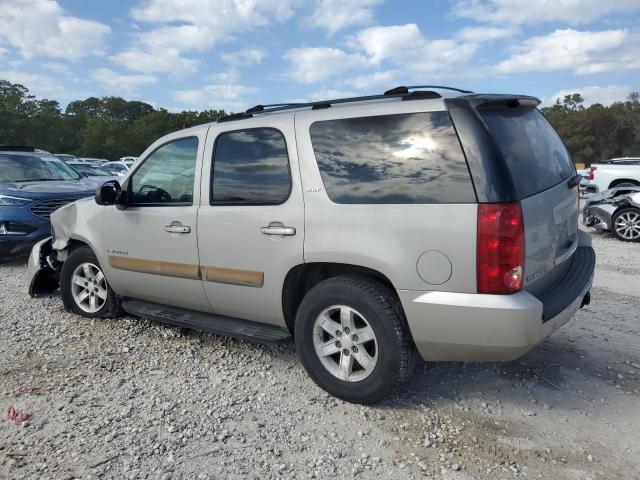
[[392, 159], [535, 155]]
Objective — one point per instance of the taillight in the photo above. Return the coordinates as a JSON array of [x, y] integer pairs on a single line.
[[500, 253], [592, 171]]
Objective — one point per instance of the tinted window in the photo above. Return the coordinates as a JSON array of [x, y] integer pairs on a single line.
[[167, 175], [534, 153], [406, 158], [34, 168], [250, 167]]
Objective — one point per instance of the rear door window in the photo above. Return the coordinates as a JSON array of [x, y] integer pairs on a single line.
[[535, 154], [250, 167], [392, 159]]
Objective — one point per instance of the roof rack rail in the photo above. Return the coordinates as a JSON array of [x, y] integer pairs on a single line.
[[404, 90], [401, 92], [17, 148]]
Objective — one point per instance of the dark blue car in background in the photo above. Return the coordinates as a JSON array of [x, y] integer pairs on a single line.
[[33, 183]]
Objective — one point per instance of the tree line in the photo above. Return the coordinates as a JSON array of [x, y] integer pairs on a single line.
[[107, 127], [112, 127]]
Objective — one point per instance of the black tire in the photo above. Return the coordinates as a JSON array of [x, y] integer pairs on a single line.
[[111, 307], [396, 355], [618, 214], [624, 185]]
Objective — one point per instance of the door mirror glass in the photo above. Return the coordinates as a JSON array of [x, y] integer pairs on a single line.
[[108, 193]]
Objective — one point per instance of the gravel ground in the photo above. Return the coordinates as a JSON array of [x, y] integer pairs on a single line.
[[130, 398]]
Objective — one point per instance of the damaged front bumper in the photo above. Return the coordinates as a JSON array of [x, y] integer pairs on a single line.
[[600, 208], [43, 268]]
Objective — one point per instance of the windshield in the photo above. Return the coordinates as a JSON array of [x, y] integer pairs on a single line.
[[116, 167], [91, 170], [34, 168]]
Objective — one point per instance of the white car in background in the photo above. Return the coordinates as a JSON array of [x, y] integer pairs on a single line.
[[129, 160], [614, 173], [117, 168]]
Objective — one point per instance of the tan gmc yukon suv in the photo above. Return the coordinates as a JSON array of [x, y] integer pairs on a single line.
[[431, 223]]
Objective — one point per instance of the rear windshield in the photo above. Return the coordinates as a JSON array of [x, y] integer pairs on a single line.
[[34, 168], [534, 153], [401, 158]]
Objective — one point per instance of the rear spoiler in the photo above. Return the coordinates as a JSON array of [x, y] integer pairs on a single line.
[[493, 100]]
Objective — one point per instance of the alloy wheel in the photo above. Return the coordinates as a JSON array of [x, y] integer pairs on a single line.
[[628, 225], [89, 287], [345, 343]]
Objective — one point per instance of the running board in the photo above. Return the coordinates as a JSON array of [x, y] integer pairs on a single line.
[[208, 322]]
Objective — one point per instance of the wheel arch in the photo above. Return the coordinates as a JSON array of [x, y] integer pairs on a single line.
[[303, 277], [619, 181]]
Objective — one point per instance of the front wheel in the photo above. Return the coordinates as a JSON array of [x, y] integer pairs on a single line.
[[626, 224], [352, 338], [84, 288]]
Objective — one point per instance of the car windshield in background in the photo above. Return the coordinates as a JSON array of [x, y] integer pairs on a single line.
[[34, 168], [116, 167], [535, 155], [91, 170]]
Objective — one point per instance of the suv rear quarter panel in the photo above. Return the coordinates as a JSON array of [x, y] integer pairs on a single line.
[[389, 238]]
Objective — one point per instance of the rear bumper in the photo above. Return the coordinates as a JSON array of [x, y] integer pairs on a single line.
[[451, 326]]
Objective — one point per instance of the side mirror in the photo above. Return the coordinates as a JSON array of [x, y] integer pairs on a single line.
[[108, 193]]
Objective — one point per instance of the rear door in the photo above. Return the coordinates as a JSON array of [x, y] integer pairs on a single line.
[[542, 173], [251, 221]]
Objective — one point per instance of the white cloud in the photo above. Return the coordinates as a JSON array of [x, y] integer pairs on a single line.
[[363, 82], [185, 26], [573, 12], [582, 52], [230, 76], [484, 34], [169, 61], [310, 65], [116, 82], [3, 52], [594, 94], [43, 29], [230, 97], [39, 85], [247, 56], [408, 48], [336, 15], [331, 93]]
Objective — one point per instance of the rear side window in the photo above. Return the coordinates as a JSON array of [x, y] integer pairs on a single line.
[[403, 158], [535, 155], [250, 167]]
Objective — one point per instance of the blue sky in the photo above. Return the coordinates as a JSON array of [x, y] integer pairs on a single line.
[[231, 54]]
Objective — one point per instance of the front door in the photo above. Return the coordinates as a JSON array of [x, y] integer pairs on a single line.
[[251, 219], [152, 248]]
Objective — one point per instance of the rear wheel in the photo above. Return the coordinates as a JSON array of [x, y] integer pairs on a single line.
[[626, 224], [624, 185], [352, 338], [84, 288]]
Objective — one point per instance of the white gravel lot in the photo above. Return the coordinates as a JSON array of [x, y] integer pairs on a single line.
[[130, 398]]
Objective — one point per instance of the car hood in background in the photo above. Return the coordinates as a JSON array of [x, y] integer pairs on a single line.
[[38, 190], [612, 193]]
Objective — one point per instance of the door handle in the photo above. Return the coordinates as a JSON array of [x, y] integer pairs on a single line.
[[177, 227], [278, 230]]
